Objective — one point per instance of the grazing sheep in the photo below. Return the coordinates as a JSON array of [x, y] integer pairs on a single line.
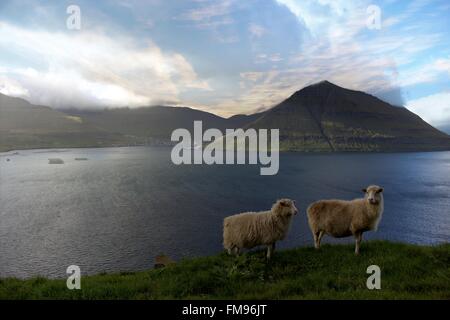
[[339, 218], [251, 229]]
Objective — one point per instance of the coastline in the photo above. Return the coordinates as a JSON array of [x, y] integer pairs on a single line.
[[334, 272], [53, 149]]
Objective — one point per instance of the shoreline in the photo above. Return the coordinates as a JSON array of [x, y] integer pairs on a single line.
[[248, 252], [334, 272], [50, 149]]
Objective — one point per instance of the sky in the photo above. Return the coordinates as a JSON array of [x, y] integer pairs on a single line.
[[226, 57]]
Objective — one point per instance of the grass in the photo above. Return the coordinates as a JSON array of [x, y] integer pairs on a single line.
[[334, 272]]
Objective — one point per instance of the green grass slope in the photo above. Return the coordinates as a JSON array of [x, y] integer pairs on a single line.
[[26, 126], [334, 272]]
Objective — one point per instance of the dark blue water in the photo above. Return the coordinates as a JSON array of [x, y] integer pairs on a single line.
[[123, 206]]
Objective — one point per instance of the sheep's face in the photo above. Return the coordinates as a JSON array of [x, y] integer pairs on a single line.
[[286, 207], [373, 194]]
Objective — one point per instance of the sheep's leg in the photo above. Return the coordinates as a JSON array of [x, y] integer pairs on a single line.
[[358, 239], [317, 238], [270, 250], [236, 251]]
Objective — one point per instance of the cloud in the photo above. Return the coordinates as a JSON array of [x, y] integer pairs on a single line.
[[256, 31], [253, 53], [323, 17], [207, 12], [337, 49], [426, 73], [434, 108], [13, 88], [340, 48], [214, 16], [346, 64], [442, 65], [89, 69]]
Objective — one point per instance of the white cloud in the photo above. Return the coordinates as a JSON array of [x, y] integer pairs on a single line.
[[13, 88], [434, 109], [265, 58], [345, 67], [426, 73], [85, 68], [332, 17], [341, 49], [443, 65], [214, 16], [256, 30], [209, 11], [91, 69]]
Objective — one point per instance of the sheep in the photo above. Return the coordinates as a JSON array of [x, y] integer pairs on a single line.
[[339, 218], [251, 229]]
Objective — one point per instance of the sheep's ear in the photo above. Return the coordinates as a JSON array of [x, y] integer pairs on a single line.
[[364, 190], [284, 203], [380, 190]]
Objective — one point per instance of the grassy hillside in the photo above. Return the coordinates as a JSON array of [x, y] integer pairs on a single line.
[[156, 122], [25, 126], [334, 272]]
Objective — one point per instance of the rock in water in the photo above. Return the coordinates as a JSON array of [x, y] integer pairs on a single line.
[[55, 161], [162, 261]]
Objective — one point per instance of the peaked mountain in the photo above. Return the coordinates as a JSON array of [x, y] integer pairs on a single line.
[[326, 117]]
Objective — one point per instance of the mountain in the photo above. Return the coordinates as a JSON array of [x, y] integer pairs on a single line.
[[27, 126], [156, 122], [321, 117], [326, 117], [242, 120]]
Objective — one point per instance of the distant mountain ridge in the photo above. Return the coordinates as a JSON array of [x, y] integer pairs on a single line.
[[322, 117], [27, 126]]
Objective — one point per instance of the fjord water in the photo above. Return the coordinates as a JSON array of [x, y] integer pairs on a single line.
[[121, 207]]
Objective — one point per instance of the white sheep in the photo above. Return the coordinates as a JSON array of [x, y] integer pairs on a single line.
[[251, 229], [339, 218]]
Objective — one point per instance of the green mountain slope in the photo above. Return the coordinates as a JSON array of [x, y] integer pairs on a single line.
[[156, 122], [26, 126]]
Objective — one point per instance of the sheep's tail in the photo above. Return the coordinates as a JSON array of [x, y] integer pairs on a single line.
[[226, 237], [312, 213], [312, 210]]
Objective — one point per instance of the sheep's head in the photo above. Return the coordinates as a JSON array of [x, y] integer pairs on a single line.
[[285, 208], [373, 194]]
